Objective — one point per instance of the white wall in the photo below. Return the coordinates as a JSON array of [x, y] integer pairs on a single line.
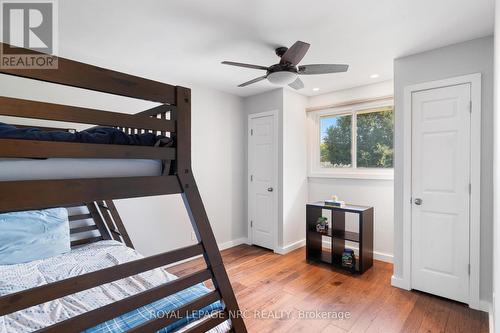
[[370, 192], [295, 170], [380, 89], [292, 150], [157, 224], [455, 60], [495, 315]]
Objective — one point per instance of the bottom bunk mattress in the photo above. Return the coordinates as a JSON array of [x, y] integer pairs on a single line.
[[12, 169], [86, 259]]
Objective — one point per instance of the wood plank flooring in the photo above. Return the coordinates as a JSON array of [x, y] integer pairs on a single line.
[[276, 292]]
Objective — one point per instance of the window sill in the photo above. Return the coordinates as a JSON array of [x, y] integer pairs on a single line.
[[375, 175]]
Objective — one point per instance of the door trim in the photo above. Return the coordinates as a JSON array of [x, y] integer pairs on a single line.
[[251, 116], [475, 177]]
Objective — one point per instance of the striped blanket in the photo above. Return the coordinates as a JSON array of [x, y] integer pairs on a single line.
[[158, 309]]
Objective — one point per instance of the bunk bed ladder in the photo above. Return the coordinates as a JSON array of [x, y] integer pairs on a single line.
[[196, 210]]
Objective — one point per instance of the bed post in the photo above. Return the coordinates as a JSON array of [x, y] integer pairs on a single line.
[[196, 210]]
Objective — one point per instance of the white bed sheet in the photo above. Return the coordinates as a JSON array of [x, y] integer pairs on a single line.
[[82, 260], [70, 168]]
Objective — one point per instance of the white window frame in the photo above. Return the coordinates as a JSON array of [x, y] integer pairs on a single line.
[[314, 167]]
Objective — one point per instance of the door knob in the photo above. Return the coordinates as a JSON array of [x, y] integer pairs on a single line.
[[418, 201], [270, 189]]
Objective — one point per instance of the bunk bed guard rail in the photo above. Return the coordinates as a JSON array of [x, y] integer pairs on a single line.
[[99, 192]]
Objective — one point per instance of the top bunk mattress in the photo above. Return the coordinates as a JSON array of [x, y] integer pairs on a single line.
[[14, 169]]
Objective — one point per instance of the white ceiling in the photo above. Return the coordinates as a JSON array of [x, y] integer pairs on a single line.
[[185, 41]]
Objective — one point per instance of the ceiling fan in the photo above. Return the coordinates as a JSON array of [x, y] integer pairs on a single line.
[[286, 71]]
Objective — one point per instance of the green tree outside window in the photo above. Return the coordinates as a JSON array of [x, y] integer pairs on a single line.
[[374, 139], [336, 141]]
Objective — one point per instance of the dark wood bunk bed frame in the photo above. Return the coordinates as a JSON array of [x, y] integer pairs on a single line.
[[98, 194]]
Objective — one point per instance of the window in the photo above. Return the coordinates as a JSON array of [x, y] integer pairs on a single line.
[[354, 141], [336, 141], [374, 139]]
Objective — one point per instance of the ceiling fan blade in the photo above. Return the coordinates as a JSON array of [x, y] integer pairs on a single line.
[[295, 53], [239, 64], [297, 84], [322, 69], [253, 81]]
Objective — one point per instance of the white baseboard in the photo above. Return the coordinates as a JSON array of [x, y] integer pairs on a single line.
[[481, 305], [492, 313], [491, 317], [400, 283], [491, 323], [386, 257], [233, 243], [290, 247], [484, 306]]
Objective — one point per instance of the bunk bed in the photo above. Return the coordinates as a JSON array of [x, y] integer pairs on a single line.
[[169, 172]]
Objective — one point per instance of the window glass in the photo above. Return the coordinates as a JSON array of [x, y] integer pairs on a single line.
[[336, 141], [374, 139]]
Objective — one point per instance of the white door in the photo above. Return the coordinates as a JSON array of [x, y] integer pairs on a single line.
[[440, 191], [262, 169]]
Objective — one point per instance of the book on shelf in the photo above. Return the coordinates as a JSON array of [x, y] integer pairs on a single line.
[[335, 203]]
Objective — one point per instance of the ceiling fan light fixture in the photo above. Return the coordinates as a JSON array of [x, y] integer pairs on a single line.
[[282, 78], [287, 71]]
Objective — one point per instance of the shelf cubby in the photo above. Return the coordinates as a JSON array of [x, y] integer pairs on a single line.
[[338, 236]]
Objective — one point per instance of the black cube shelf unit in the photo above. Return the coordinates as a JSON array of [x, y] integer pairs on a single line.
[[338, 235]]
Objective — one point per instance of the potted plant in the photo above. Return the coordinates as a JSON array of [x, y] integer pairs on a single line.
[[322, 224]]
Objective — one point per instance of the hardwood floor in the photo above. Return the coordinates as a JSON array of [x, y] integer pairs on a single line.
[[277, 291]]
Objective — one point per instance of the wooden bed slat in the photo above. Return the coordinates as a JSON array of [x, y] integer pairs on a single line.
[[208, 324], [85, 228], [109, 221], [160, 109], [160, 322], [49, 292], [96, 216], [79, 217], [105, 212], [113, 310], [119, 223], [85, 241], [76, 74], [38, 194], [40, 110], [116, 232], [54, 149]]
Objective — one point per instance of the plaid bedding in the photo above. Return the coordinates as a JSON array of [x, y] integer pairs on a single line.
[[157, 309]]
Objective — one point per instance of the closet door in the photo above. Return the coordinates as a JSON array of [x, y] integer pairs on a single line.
[[440, 191], [262, 186]]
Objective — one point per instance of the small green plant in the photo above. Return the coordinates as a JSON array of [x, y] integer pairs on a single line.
[[322, 220], [321, 224]]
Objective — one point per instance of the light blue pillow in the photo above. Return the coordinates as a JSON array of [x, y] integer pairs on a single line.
[[32, 235]]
